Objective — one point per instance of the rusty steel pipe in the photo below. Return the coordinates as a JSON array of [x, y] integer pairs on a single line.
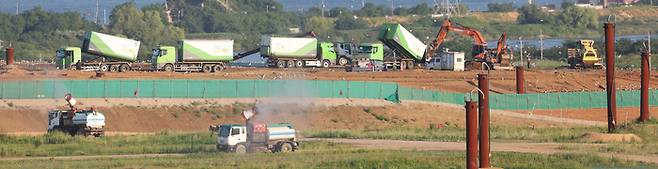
[[520, 80], [483, 101], [10, 56], [610, 75], [644, 90], [471, 135]]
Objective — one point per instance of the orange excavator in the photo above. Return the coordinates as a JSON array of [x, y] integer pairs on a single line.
[[501, 55]]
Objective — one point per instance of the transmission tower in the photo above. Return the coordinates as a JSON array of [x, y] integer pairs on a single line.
[[446, 7]]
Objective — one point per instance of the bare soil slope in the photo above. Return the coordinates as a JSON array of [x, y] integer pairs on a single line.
[[197, 116]]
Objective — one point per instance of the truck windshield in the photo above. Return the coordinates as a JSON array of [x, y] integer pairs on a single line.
[[224, 131], [365, 49]]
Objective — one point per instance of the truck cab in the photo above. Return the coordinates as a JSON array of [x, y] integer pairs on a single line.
[[66, 57], [367, 57], [163, 58], [232, 138]]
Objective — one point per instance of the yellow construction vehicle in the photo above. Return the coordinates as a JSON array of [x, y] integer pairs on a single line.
[[585, 56]]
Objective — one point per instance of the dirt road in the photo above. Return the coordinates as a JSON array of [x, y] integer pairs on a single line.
[[540, 148]]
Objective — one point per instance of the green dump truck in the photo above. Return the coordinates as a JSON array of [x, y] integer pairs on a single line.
[[113, 53], [299, 52], [407, 50], [193, 55]]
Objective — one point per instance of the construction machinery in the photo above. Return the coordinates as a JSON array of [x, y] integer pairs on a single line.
[[405, 50], [255, 136], [113, 53], [499, 56], [193, 55], [585, 56], [75, 121], [299, 52]]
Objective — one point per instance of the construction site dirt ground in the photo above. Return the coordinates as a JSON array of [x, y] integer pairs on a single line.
[[502, 81], [148, 115]]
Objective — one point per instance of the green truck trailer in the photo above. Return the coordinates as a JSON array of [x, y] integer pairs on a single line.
[[407, 51], [299, 52], [193, 55], [113, 53]]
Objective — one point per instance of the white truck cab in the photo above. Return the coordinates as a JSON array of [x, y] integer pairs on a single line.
[[232, 137]]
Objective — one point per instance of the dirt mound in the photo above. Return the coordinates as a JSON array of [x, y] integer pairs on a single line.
[[607, 138]]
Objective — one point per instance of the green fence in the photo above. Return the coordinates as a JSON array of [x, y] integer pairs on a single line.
[[194, 89], [35, 89]]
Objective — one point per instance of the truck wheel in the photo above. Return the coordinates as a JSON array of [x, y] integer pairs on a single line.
[[299, 63], [123, 68], [410, 65], [113, 68], [104, 68], [285, 147], [280, 64], [342, 61], [291, 63], [240, 149], [168, 68], [206, 68], [218, 68], [403, 65], [326, 63]]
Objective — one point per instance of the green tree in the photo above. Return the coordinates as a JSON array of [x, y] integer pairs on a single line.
[[578, 17], [338, 11], [372, 10], [319, 25], [145, 26], [532, 14], [421, 9], [401, 11], [349, 22], [501, 7]]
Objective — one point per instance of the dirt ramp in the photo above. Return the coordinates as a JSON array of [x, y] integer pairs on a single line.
[[23, 120]]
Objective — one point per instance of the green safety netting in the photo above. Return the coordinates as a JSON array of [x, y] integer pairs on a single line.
[[180, 88]]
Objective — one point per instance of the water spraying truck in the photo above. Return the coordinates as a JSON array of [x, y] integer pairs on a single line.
[[76, 122], [256, 136], [193, 55], [113, 53]]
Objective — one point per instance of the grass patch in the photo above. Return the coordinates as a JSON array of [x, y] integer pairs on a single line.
[[548, 64], [329, 157], [61, 144], [451, 133]]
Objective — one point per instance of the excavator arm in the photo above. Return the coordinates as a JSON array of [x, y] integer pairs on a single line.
[[447, 27], [502, 43]]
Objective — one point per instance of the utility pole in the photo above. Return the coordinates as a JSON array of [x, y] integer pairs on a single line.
[[18, 4], [97, 10], [322, 7], [521, 48], [104, 17], [541, 44]]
